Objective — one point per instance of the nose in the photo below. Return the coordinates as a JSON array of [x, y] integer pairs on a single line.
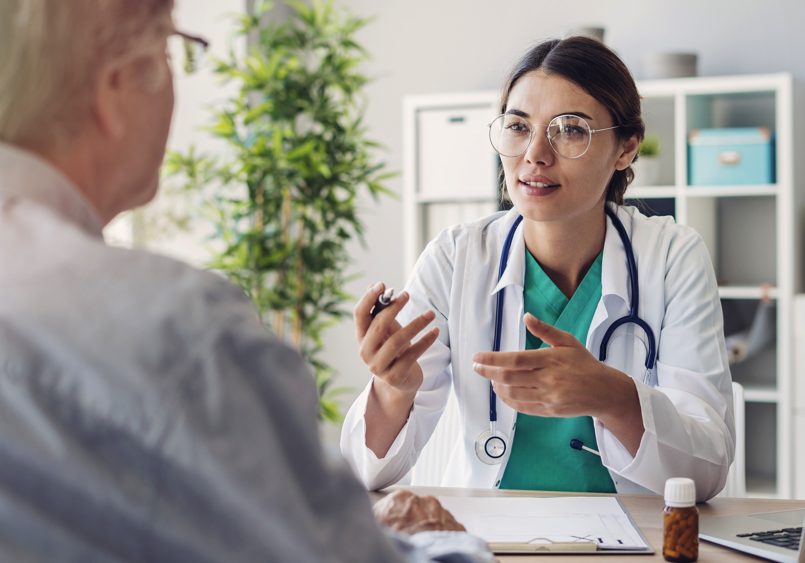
[[539, 151]]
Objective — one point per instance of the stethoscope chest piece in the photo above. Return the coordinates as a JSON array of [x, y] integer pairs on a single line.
[[490, 447]]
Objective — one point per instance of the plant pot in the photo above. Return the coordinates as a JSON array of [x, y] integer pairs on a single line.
[[593, 32], [669, 65], [647, 171]]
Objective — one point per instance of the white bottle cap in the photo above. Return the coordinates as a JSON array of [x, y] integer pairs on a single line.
[[680, 492]]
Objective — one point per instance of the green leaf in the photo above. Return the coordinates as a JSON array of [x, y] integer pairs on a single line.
[[281, 201]]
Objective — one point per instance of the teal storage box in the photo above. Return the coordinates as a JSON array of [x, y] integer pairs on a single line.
[[730, 156]]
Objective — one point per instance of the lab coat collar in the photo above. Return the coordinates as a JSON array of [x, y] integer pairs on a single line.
[[514, 272], [24, 175], [614, 269]]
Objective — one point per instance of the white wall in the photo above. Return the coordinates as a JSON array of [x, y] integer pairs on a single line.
[[421, 47]]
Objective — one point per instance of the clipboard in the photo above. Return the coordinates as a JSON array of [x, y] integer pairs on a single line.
[[550, 525]]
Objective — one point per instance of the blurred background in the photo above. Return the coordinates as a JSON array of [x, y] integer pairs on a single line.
[[442, 54]]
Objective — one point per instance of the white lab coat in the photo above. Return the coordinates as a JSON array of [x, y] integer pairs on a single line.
[[686, 400]]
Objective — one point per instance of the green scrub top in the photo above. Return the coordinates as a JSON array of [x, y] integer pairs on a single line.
[[541, 456]]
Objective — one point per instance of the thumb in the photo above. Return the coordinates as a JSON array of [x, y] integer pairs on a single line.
[[549, 334]]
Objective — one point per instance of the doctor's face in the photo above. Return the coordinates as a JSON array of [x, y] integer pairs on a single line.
[[543, 185]]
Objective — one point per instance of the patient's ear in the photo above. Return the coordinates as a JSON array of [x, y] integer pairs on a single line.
[[628, 150], [109, 105]]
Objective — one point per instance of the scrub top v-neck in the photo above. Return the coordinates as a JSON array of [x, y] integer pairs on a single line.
[[541, 457]]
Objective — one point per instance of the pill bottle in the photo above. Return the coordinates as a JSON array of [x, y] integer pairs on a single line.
[[680, 521]]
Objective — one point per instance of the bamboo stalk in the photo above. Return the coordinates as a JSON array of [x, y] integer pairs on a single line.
[[298, 308], [286, 219]]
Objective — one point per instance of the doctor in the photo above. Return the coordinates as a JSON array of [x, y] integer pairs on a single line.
[[512, 297]]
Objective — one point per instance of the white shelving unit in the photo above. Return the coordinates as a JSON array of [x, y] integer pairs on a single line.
[[749, 229]]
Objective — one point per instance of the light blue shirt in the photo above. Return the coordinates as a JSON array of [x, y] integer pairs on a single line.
[[147, 415]]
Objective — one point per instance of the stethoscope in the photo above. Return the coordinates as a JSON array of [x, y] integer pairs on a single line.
[[491, 445]]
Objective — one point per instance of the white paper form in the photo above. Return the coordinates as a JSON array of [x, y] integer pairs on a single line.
[[534, 520]]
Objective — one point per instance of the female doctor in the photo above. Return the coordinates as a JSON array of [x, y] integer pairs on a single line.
[[513, 297]]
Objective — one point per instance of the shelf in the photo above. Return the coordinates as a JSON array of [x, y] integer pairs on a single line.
[[650, 192], [732, 191], [758, 394], [713, 85], [655, 192], [746, 292], [446, 198]]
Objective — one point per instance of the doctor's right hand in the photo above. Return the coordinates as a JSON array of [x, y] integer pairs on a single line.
[[387, 348]]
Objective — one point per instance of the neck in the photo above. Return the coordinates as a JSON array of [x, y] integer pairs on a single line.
[[81, 169], [566, 249]]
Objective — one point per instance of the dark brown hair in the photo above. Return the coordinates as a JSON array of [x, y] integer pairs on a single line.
[[601, 73]]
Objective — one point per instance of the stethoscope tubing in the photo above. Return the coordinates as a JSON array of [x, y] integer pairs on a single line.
[[493, 410], [631, 317]]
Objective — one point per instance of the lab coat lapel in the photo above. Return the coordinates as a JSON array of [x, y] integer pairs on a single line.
[[614, 283]]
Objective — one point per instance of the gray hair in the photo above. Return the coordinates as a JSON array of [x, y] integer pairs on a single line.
[[51, 53]]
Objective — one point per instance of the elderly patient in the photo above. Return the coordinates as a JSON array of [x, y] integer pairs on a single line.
[[145, 414]]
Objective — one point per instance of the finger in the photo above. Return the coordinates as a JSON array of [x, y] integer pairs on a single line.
[[508, 376], [431, 505], [441, 517], [536, 409], [400, 368], [511, 393], [548, 333], [380, 329], [399, 342], [397, 510], [361, 311], [379, 326], [521, 359], [394, 326]]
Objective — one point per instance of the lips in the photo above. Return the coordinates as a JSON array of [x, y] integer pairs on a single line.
[[540, 185], [538, 182]]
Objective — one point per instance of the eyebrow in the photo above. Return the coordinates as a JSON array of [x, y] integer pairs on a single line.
[[521, 113]]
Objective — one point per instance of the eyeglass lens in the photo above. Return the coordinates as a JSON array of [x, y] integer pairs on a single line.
[[190, 48], [569, 135]]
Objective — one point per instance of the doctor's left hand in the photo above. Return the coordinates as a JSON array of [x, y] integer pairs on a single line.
[[563, 380]]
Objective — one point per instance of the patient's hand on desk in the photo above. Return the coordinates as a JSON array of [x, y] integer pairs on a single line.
[[408, 513]]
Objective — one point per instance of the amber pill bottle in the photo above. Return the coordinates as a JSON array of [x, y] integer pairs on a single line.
[[680, 521]]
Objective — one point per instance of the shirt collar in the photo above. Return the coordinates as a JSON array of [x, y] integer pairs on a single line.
[[614, 270], [25, 175]]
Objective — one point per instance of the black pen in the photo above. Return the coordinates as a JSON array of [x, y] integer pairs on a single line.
[[384, 300]]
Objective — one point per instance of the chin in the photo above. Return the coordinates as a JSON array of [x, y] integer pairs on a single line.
[[543, 209]]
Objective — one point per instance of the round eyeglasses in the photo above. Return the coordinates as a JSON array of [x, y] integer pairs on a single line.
[[192, 47], [569, 135]]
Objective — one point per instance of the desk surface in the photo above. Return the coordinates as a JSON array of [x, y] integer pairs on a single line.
[[646, 511]]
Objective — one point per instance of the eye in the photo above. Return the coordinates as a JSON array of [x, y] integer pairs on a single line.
[[570, 130], [516, 127]]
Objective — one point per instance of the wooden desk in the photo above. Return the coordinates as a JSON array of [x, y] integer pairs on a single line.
[[646, 511]]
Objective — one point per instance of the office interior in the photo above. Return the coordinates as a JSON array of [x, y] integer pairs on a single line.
[[425, 53]]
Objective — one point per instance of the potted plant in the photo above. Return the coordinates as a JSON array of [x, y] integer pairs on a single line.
[[647, 164], [283, 202]]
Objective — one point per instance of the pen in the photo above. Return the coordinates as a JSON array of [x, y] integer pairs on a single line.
[[577, 444], [384, 300]]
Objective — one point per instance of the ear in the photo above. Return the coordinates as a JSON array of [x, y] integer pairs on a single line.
[[110, 101], [628, 151]]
